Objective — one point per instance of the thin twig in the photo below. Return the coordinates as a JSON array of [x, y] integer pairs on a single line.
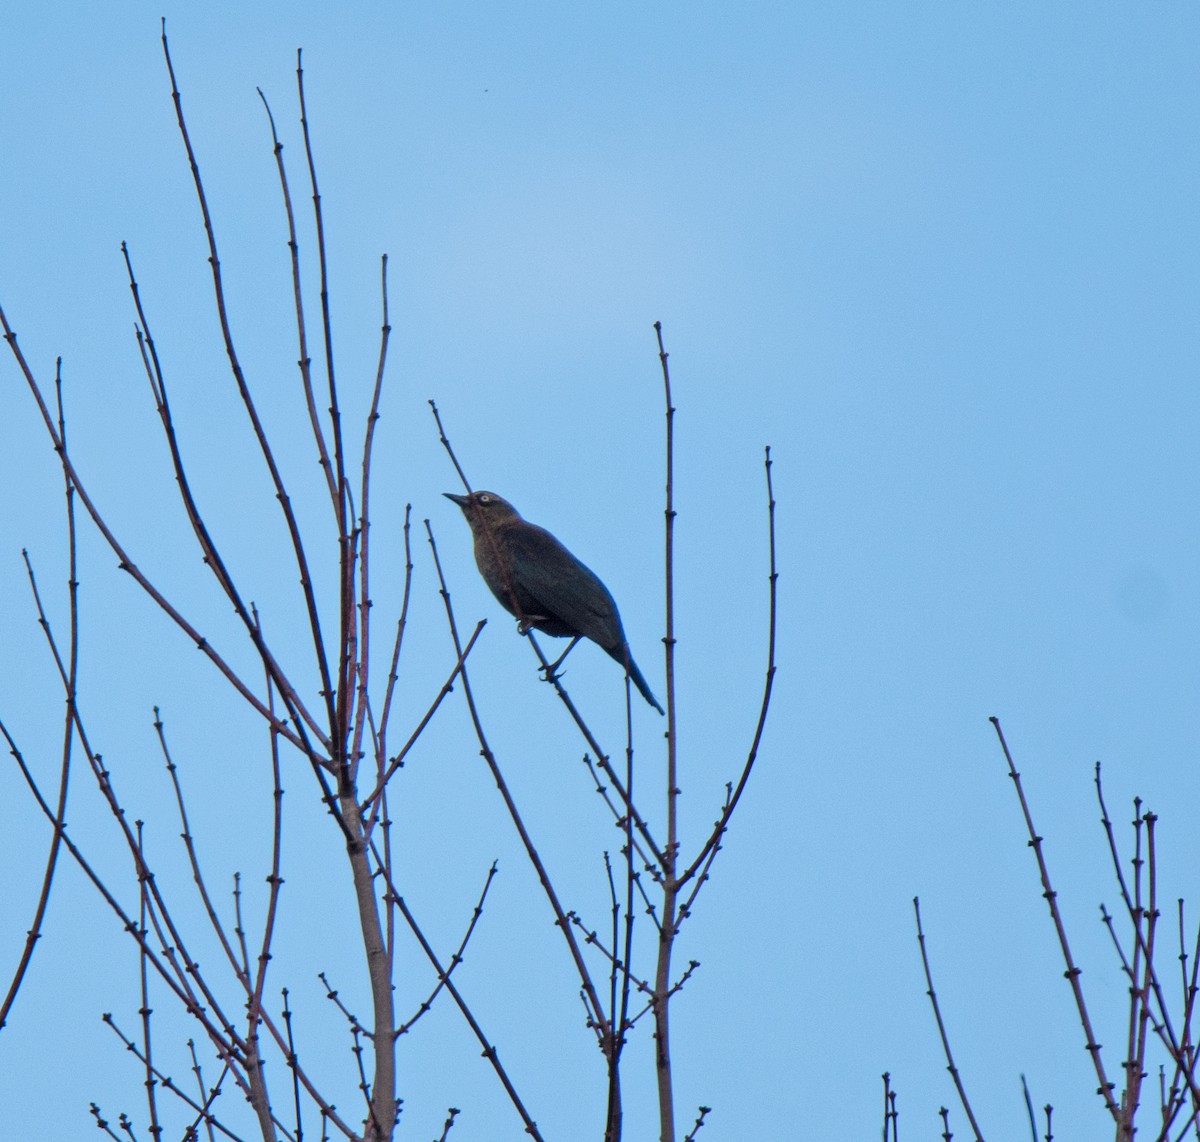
[[620, 818], [669, 920], [455, 959], [292, 1065], [33, 933], [889, 1109], [722, 823], [1029, 1110], [1072, 973], [451, 1114], [702, 1112], [941, 1026], [347, 658], [362, 701], [304, 362], [144, 983], [397, 762], [618, 966], [382, 729]]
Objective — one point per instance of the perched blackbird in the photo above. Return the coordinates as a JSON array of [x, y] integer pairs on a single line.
[[542, 583]]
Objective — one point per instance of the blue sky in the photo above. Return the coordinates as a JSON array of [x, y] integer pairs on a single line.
[[941, 257]]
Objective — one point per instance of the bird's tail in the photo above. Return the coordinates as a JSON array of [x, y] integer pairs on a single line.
[[626, 659]]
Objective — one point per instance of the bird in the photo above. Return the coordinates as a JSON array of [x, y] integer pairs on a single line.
[[537, 579]]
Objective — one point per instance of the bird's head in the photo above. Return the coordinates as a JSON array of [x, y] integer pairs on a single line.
[[484, 508]]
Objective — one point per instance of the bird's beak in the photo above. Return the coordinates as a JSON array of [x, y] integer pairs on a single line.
[[462, 501]]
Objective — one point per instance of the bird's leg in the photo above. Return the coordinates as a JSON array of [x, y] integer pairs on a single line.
[[553, 667]]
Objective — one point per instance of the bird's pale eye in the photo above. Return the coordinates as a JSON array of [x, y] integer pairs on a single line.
[[485, 498]]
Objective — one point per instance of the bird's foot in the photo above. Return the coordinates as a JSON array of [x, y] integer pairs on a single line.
[[551, 668], [528, 623]]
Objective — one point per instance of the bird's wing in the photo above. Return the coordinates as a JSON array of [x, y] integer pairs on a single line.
[[563, 587]]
